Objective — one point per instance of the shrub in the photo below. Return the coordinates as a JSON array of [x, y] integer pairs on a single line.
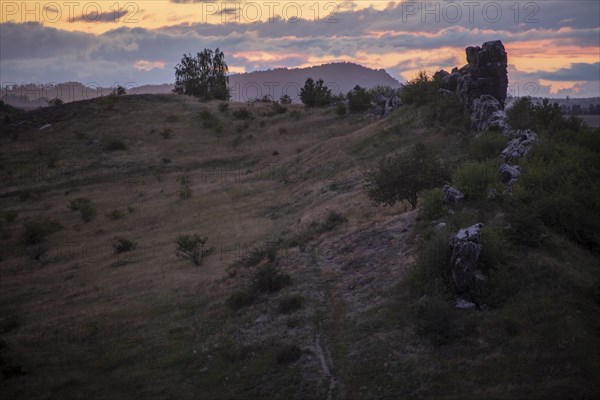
[[433, 204], [35, 232], [115, 145], [430, 276], [269, 278], [240, 299], [224, 106], [404, 177], [193, 247], [115, 214], [185, 192], [315, 94], [434, 320], [359, 100], [474, 178], [487, 145], [332, 220], [289, 354], [420, 90], [76, 204], [123, 245], [340, 109], [289, 304], [209, 120], [285, 99], [242, 113], [87, 212], [56, 102], [278, 108], [167, 133]]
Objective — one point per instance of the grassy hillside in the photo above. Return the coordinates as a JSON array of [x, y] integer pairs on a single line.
[[311, 291]]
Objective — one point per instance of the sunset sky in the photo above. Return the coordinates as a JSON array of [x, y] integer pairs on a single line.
[[553, 46]]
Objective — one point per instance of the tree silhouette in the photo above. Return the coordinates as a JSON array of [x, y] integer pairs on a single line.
[[203, 76]]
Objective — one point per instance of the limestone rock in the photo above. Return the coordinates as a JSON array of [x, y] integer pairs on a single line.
[[452, 196], [519, 146], [509, 173], [466, 250]]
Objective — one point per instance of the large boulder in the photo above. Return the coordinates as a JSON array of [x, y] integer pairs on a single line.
[[452, 196], [509, 174], [466, 250], [519, 146], [487, 114], [387, 101]]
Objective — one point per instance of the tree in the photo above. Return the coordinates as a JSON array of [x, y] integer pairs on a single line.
[[203, 76], [315, 94], [119, 91], [404, 176], [420, 90], [193, 247], [359, 99]]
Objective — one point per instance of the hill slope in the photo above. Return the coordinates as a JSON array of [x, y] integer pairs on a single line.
[[268, 188]]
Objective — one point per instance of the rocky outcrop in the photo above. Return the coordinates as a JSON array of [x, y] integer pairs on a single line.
[[386, 102], [509, 174], [488, 114], [484, 77], [452, 196], [520, 145], [466, 250]]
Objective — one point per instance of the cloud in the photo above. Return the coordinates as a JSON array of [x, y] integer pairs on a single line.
[[109, 16]]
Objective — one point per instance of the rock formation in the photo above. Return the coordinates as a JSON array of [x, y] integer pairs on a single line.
[[466, 249], [520, 145], [452, 196], [480, 82], [386, 102]]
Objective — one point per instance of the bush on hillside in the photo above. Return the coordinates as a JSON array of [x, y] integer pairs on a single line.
[[193, 247], [404, 176], [315, 94], [359, 100]]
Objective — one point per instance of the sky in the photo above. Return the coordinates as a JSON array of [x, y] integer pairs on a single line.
[[553, 46]]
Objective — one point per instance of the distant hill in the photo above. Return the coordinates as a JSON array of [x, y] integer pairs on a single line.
[[339, 77]]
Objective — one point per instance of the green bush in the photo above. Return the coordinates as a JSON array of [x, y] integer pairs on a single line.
[[420, 90], [76, 204], [474, 178], [115, 145], [487, 145], [240, 299], [434, 320], [404, 176], [359, 100], [115, 215], [315, 94], [224, 106], [285, 99], [340, 109], [278, 108], [185, 192], [123, 245], [433, 206], [193, 247], [87, 212], [167, 133], [242, 113], [209, 121], [289, 304], [431, 274], [35, 232], [269, 278]]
